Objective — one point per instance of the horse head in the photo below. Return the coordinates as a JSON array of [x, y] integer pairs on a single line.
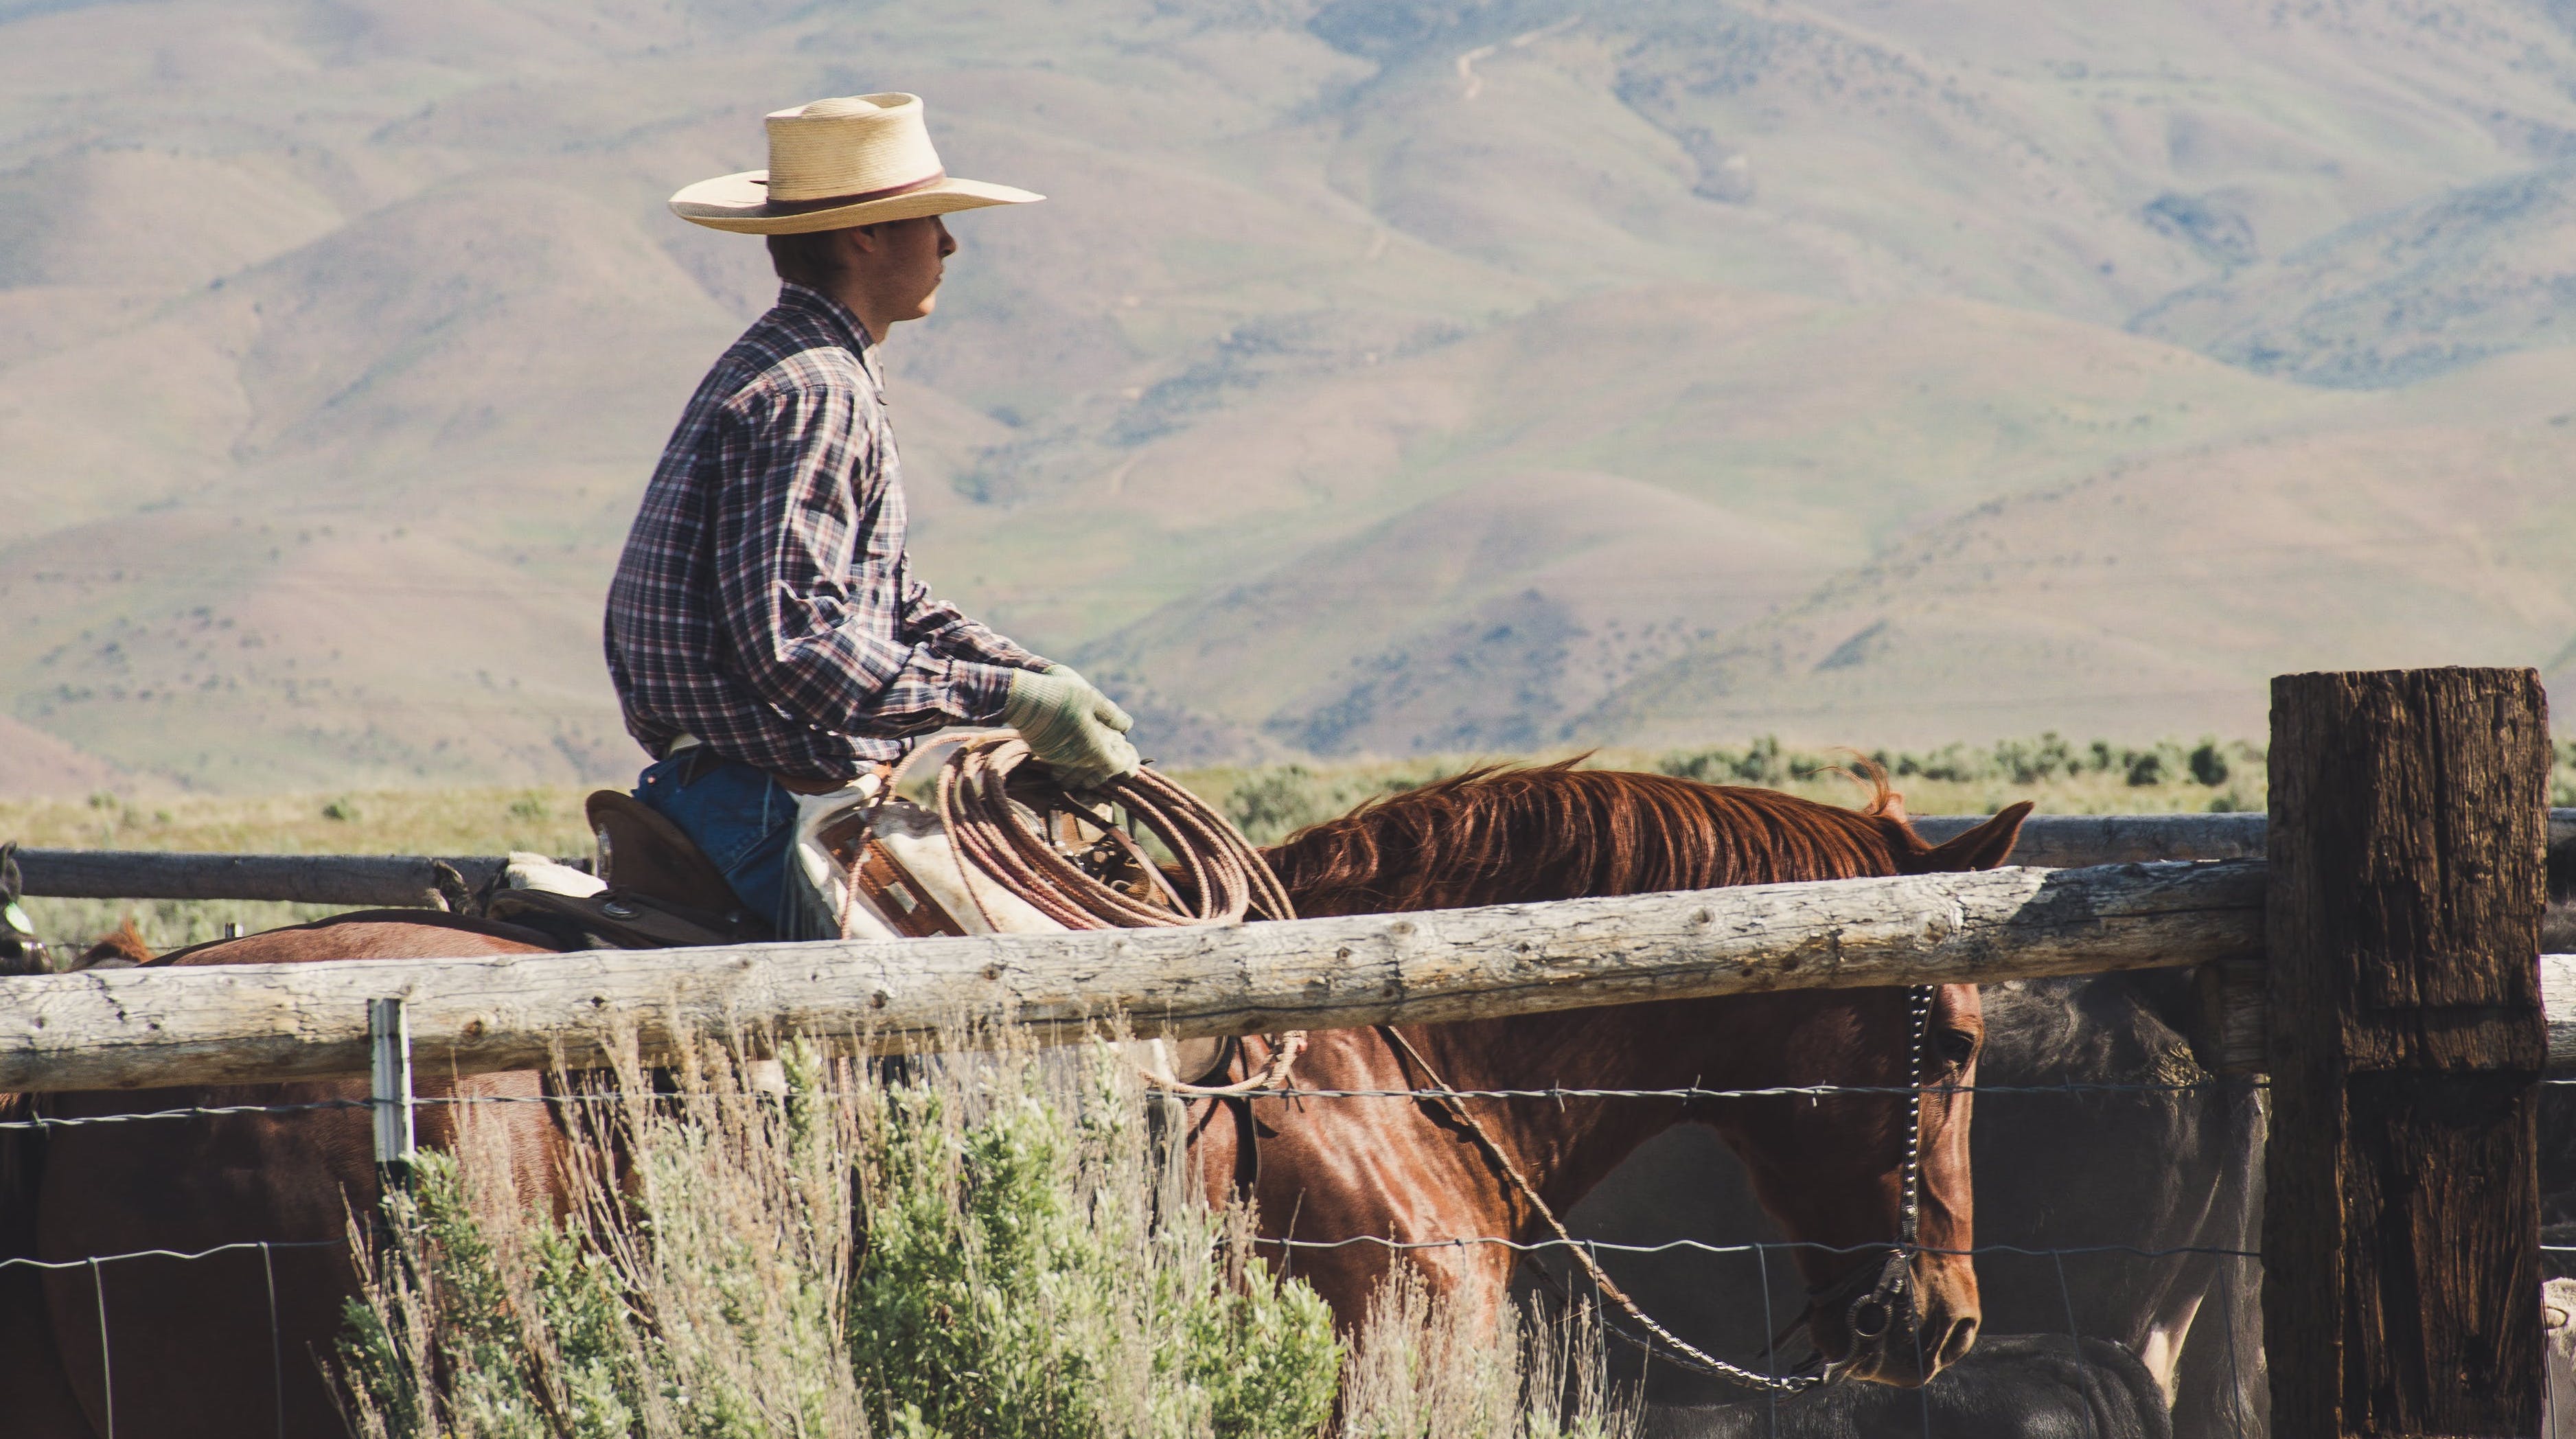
[[20, 951], [1892, 1300], [1875, 1189]]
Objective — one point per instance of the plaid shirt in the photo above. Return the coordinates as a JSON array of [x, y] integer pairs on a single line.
[[764, 602]]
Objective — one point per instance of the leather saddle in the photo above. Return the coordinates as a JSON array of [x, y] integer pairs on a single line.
[[857, 844], [662, 891]]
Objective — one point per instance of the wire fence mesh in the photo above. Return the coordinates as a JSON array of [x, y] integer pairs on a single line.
[[1755, 1277]]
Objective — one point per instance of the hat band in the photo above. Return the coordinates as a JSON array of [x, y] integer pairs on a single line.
[[832, 202]]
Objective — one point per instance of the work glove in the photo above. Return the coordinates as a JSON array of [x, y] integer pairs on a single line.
[[1071, 727]]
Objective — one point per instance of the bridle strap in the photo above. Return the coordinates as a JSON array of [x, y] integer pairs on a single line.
[[1893, 1293], [1910, 1216]]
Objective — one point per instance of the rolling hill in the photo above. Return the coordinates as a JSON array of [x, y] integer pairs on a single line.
[[1381, 375], [2137, 600], [2487, 269]]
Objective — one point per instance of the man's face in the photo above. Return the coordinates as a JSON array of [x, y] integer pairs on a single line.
[[901, 267]]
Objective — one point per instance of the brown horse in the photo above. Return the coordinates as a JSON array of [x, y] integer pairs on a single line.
[[200, 1347], [1829, 1170], [227, 1344]]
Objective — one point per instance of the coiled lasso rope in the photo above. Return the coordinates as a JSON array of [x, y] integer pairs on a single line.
[[996, 814]]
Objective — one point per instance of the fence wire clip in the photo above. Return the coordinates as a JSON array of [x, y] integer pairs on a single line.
[[390, 1097]]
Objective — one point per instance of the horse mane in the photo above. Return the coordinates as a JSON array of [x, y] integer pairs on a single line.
[[1497, 834], [125, 947]]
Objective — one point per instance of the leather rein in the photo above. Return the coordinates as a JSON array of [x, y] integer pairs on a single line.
[[1873, 1310]]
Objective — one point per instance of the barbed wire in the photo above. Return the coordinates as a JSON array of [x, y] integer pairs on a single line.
[[1702, 1246], [1553, 1094], [1782, 1091], [80, 1121], [1523, 1246], [84, 1262], [2057, 1255]]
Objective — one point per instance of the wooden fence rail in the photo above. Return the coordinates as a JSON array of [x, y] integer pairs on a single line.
[[126, 1028], [391, 880], [2063, 841]]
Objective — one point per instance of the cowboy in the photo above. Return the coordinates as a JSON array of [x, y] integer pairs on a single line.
[[766, 633]]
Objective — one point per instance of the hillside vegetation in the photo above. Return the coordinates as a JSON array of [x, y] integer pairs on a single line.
[[1382, 377]]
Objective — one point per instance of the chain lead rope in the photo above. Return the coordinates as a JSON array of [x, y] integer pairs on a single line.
[[1909, 1216]]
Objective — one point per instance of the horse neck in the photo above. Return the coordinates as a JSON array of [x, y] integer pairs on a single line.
[[1565, 1147]]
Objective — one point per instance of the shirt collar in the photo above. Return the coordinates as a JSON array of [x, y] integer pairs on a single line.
[[806, 297]]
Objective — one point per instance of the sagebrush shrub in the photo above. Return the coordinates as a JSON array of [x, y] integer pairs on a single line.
[[2209, 764], [991, 1248]]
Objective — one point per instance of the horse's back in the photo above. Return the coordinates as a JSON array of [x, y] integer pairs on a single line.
[[377, 935]]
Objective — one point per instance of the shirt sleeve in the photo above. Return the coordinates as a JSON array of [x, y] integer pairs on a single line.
[[944, 628], [815, 616]]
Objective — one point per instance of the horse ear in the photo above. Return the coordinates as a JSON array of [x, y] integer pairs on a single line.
[[1984, 847]]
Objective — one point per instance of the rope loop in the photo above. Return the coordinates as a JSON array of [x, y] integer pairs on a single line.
[[997, 805]]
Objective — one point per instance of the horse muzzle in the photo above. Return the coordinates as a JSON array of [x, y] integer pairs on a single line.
[[1896, 1323]]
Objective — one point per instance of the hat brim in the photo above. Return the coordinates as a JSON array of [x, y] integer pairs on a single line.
[[740, 203]]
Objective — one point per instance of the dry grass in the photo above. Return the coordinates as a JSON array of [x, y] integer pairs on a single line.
[[686, 1294], [995, 1246], [394, 821], [1420, 1371]]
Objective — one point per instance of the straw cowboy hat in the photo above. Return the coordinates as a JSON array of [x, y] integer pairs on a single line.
[[855, 160]]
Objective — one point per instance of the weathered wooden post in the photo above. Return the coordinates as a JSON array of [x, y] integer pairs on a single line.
[[2401, 1232]]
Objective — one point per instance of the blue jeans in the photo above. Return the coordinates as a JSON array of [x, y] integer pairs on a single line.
[[738, 816]]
